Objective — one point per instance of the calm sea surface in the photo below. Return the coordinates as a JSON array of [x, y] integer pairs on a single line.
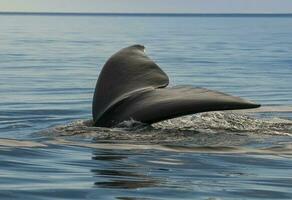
[[49, 150]]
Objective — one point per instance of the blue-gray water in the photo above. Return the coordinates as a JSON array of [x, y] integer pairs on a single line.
[[49, 150]]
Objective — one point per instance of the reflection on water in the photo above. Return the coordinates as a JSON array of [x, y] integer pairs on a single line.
[[145, 171], [122, 175], [117, 181]]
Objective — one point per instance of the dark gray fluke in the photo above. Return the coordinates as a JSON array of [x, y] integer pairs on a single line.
[[132, 86]]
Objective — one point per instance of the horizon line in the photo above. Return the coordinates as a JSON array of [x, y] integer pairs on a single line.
[[140, 13]]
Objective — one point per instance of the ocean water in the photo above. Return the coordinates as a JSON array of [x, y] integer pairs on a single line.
[[50, 150]]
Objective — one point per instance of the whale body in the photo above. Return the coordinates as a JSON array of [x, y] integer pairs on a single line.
[[132, 86]]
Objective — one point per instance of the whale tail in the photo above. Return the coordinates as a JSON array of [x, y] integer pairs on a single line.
[[132, 86]]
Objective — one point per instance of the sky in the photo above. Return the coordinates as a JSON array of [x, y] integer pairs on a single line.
[[149, 6]]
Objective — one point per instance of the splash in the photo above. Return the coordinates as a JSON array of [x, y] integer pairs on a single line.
[[213, 132], [230, 122], [212, 128]]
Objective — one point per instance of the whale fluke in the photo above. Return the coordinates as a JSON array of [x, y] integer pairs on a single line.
[[132, 86]]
